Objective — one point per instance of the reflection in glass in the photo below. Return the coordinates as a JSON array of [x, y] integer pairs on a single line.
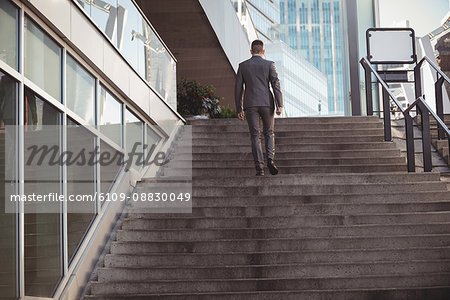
[[152, 139], [42, 230], [110, 170], [42, 59], [8, 139], [80, 183], [110, 116], [122, 22], [130, 46], [9, 36], [105, 14], [134, 136], [80, 90]]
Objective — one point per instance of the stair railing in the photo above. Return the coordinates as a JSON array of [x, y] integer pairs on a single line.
[[422, 107], [441, 77]]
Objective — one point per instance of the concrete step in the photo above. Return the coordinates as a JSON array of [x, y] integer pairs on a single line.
[[336, 127], [324, 270], [133, 232], [279, 209], [289, 162], [289, 121], [289, 133], [249, 170], [385, 281], [289, 147], [413, 293], [162, 222], [266, 200], [224, 140], [328, 178], [228, 156], [280, 257], [305, 189]]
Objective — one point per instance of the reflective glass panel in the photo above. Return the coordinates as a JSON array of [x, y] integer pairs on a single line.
[[111, 166], [134, 138], [42, 219], [80, 90], [9, 18], [42, 59], [80, 184], [8, 140], [110, 116]]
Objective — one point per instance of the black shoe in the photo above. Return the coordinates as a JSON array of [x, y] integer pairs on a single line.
[[272, 167], [259, 172]]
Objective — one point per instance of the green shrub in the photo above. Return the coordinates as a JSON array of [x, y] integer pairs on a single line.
[[225, 112], [196, 99]]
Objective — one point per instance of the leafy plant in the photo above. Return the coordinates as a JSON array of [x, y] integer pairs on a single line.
[[196, 99], [226, 112]]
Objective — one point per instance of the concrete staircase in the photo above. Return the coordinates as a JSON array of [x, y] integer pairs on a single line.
[[343, 220]]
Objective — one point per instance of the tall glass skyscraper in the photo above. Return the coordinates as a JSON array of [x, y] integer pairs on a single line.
[[315, 29], [304, 87]]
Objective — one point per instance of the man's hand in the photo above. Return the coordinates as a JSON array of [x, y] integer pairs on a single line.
[[241, 116], [279, 111]]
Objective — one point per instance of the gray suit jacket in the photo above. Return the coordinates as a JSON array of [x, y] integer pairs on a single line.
[[256, 74]]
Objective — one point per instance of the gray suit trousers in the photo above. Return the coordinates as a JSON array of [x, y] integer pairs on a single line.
[[266, 114]]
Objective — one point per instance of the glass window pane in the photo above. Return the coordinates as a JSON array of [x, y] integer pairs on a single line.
[[80, 183], [42, 59], [8, 140], [129, 32], [105, 14], [152, 138], [111, 167], [80, 91], [134, 138], [110, 116], [42, 219], [9, 18]]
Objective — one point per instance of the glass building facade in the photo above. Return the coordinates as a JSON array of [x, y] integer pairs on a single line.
[[304, 87], [50, 95], [314, 28]]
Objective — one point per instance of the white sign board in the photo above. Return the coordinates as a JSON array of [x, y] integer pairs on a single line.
[[391, 45]]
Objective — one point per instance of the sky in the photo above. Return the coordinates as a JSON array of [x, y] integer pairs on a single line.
[[424, 15]]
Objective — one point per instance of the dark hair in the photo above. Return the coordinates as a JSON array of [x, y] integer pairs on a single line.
[[257, 46]]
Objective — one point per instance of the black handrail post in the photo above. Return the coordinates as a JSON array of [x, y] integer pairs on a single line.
[[439, 105], [387, 116], [426, 138], [369, 99], [418, 83], [410, 153]]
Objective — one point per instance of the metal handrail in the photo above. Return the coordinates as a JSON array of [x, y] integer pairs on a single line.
[[437, 88], [439, 120], [421, 105], [435, 67], [365, 61]]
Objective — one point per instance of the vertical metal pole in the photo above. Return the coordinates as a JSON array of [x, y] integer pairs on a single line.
[[353, 54], [439, 105], [410, 153], [426, 138], [418, 80], [368, 82], [387, 116]]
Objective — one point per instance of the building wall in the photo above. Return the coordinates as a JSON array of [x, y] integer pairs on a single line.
[[314, 28], [66, 81]]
